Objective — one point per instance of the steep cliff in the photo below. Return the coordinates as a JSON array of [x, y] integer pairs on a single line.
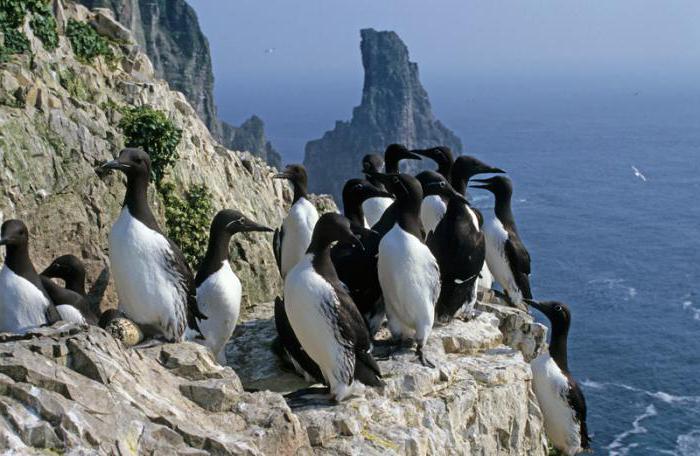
[[169, 32], [395, 109], [59, 119]]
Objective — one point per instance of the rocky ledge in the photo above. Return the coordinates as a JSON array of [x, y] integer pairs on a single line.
[[76, 389]]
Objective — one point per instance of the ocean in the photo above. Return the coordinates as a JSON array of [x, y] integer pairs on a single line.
[[621, 250]]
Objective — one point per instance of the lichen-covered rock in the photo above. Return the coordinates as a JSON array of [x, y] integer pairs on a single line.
[[477, 401], [70, 388]]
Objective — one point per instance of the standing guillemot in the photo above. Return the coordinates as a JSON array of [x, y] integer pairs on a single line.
[[292, 239], [24, 303], [433, 207], [506, 255], [324, 318], [464, 168], [218, 287], [458, 246], [393, 155], [374, 207], [357, 267], [561, 400], [154, 283], [71, 270], [408, 271]]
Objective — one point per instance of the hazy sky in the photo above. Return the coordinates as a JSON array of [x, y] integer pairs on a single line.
[[455, 38]]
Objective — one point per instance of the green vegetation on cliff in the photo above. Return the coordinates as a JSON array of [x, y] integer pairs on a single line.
[[87, 44], [12, 16]]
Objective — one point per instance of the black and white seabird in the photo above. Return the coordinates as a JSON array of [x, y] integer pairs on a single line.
[[24, 303], [561, 400], [464, 168], [458, 246], [324, 318], [394, 153], [292, 239], [71, 270], [374, 207], [357, 267], [154, 283], [218, 288], [408, 271], [434, 206], [506, 255]]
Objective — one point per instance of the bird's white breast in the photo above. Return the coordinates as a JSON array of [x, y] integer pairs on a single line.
[[496, 237], [474, 218], [374, 208], [219, 298], [298, 227], [22, 305], [311, 305], [432, 210], [71, 314], [409, 277], [146, 284], [551, 388]]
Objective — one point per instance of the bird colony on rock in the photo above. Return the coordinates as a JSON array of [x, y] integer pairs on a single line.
[[409, 252]]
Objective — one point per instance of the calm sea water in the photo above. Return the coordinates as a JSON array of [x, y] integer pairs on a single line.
[[622, 252]]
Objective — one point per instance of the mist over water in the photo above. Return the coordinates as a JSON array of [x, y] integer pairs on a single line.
[[623, 253]]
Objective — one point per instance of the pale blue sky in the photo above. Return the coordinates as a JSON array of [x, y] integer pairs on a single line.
[[455, 37]]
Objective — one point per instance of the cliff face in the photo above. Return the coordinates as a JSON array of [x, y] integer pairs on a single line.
[[395, 109], [77, 390], [169, 32], [58, 120]]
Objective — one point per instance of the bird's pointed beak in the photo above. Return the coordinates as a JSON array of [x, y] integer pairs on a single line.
[[413, 155], [114, 165], [537, 305], [485, 183], [493, 170], [51, 270], [248, 226]]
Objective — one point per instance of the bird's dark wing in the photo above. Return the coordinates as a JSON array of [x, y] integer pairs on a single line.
[[277, 246], [578, 403], [185, 279], [60, 295], [292, 345], [479, 215], [387, 220], [519, 261], [354, 331]]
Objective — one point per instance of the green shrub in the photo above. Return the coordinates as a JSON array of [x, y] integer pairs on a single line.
[[86, 42], [12, 15], [44, 26], [187, 220], [152, 131]]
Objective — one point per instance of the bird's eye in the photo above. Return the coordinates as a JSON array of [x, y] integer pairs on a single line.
[[395, 180], [442, 185], [558, 309]]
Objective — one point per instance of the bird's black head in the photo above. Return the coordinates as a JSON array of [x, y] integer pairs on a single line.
[[372, 163], [500, 186], [296, 174], [332, 227], [435, 184], [558, 313], [441, 155], [66, 267], [132, 162], [466, 166], [395, 153], [14, 233], [231, 221], [404, 187], [357, 191]]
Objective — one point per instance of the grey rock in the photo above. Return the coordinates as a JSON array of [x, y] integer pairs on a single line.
[[395, 109]]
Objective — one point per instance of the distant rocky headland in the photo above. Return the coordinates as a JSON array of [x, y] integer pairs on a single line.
[[395, 109]]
